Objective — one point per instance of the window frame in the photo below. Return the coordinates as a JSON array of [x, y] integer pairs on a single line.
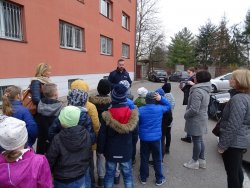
[[108, 12], [11, 19], [128, 47], [124, 15], [70, 30], [107, 39]]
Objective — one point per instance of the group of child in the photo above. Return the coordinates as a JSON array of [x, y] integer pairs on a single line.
[[108, 123]]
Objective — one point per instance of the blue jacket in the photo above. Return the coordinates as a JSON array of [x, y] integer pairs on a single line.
[[116, 76], [83, 121], [35, 88], [22, 113], [150, 120]]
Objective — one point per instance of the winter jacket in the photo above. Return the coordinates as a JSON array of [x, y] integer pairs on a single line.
[[150, 120], [47, 111], [22, 113], [84, 121], [69, 154], [140, 101], [130, 104], [186, 90], [30, 171], [116, 76], [171, 99], [196, 112], [115, 135], [36, 91], [235, 123]]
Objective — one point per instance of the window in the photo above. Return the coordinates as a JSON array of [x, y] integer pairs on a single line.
[[11, 26], [125, 50], [106, 8], [70, 36], [125, 21], [106, 45]]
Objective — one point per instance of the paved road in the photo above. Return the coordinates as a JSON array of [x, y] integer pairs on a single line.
[[178, 176]]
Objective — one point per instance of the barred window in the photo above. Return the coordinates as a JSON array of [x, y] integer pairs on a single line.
[[125, 50], [70, 36], [11, 26], [106, 45]]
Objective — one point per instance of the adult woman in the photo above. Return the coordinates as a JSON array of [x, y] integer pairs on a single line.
[[235, 128], [197, 119], [41, 77]]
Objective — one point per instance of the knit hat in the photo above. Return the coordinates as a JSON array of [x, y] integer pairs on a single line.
[[142, 92], [150, 98], [13, 133], [118, 94], [69, 116], [166, 87], [77, 97], [80, 84], [160, 91], [125, 83], [104, 87]]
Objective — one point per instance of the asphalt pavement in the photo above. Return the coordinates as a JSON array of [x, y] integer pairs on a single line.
[[214, 176]]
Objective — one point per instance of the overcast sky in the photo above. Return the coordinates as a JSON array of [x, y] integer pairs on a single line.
[[177, 14]]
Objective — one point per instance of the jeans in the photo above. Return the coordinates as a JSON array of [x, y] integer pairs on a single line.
[[198, 148], [80, 183], [232, 159], [126, 170], [145, 148], [101, 166]]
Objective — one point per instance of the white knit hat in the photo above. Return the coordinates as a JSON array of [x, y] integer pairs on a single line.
[[142, 92], [13, 133]]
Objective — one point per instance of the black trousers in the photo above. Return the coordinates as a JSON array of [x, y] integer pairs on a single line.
[[232, 159], [166, 135]]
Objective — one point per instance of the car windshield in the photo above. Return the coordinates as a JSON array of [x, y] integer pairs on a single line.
[[161, 73]]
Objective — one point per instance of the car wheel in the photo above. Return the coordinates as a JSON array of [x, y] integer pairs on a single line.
[[214, 89]]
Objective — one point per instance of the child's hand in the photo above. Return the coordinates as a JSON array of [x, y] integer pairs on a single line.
[[157, 97]]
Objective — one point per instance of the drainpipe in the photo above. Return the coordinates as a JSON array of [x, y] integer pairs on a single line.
[[135, 40]]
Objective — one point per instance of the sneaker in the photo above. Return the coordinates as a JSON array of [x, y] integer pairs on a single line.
[[192, 164], [142, 181], [160, 182], [117, 180], [202, 163], [100, 182], [186, 139]]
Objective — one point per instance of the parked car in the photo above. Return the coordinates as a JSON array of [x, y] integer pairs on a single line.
[[221, 83], [158, 76], [178, 76]]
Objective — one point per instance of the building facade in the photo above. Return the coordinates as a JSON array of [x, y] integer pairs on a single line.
[[78, 38]]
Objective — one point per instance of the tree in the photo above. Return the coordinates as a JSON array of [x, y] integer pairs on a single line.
[[148, 33], [205, 44], [246, 34], [181, 48]]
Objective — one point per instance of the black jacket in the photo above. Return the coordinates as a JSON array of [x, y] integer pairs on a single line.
[[36, 91], [69, 154], [102, 103], [116, 76]]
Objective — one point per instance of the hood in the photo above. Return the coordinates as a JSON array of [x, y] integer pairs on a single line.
[[74, 138], [15, 172], [49, 107], [205, 86], [100, 99], [120, 127]]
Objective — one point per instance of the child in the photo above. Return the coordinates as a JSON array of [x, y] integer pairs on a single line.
[[20, 166], [150, 121], [140, 101], [102, 101], [12, 106], [116, 131], [69, 153], [168, 119], [48, 109]]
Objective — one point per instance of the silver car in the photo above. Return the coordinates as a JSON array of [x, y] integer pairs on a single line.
[[221, 83]]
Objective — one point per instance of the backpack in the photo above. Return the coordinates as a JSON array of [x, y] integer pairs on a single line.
[[27, 101]]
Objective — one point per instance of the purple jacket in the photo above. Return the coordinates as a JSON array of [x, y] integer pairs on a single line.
[[31, 171]]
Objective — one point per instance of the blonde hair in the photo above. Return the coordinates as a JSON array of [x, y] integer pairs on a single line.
[[49, 90], [41, 68], [10, 94], [242, 78], [11, 156]]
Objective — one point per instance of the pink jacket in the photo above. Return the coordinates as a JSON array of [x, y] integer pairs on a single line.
[[31, 171]]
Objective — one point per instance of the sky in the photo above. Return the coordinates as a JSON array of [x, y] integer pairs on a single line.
[[177, 14]]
